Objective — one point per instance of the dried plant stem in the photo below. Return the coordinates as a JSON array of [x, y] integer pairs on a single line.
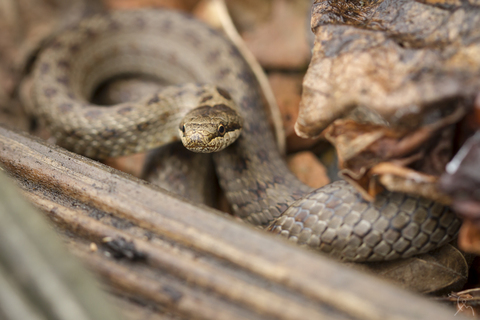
[[229, 28]]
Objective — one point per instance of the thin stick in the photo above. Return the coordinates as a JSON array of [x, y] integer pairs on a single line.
[[229, 28]]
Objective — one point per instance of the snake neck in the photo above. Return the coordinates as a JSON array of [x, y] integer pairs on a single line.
[[256, 180], [175, 48]]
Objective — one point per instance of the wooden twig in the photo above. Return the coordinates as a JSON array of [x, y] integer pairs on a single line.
[[182, 256]]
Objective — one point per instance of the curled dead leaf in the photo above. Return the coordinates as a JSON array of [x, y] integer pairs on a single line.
[[395, 178], [405, 61], [440, 271], [373, 157]]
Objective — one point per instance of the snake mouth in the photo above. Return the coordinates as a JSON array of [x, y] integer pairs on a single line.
[[196, 143]]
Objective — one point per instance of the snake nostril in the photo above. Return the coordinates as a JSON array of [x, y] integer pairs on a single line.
[[196, 139]]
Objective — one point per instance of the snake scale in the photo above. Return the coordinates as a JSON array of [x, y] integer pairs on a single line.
[[176, 49]]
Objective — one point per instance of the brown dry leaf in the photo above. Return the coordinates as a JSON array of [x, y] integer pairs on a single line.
[[403, 61], [275, 31], [469, 237], [132, 164], [396, 178], [371, 156], [287, 88], [400, 179], [439, 271], [308, 169]]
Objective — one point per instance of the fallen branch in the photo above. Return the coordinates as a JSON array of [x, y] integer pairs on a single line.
[[179, 255]]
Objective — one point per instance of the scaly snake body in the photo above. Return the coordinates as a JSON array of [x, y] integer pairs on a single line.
[[177, 49]]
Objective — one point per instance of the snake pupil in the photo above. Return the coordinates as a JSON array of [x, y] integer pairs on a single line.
[[221, 129], [183, 128]]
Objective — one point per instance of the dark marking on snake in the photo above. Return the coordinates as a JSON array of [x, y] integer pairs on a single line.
[[165, 115], [279, 180], [213, 32], [74, 48], [155, 99], [182, 92], [44, 68], [188, 17], [333, 202], [191, 38], [233, 51], [224, 93], [245, 75], [261, 190], [64, 64], [167, 25], [174, 294], [205, 110], [206, 98], [143, 126], [65, 107], [248, 103], [56, 45], [71, 27], [254, 128], [213, 55], [263, 156], [71, 133], [281, 207], [223, 73], [242, 164], [125, 110], [92, 114], [90, 33], [114, 25], [223, 107], [50, 92], [109, 133], [140, 23], [301, 216], [63, 80]]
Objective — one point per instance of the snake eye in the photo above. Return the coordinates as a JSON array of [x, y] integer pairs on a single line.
[[221, 129], [183, 128]]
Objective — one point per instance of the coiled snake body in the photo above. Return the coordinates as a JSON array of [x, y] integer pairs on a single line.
[[177, 49]]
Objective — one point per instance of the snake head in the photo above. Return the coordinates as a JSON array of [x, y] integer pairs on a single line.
[[210, 128]]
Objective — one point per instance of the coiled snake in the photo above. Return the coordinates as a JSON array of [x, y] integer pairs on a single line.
[[175, 48]]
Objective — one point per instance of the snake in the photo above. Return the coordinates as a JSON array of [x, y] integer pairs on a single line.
[[205, 71]]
